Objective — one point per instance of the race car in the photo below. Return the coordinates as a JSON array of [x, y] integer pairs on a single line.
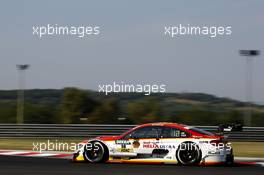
[[158, 143]]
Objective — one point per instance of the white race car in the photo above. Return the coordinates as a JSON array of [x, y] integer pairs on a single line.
[[158, 143]]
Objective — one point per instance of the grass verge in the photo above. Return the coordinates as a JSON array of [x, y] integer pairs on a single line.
[[248, 149], [38, 143]]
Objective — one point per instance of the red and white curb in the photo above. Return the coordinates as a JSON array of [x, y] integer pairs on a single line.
[[35, 154], [250, 161]]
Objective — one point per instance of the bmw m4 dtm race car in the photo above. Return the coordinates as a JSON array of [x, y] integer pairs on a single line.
[[158, 143]]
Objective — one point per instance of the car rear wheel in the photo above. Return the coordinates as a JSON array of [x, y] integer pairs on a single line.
[[188, 153], [230, 158], [95, 152]]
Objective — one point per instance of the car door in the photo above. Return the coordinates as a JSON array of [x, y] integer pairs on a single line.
[[171, 137], [144, 140]]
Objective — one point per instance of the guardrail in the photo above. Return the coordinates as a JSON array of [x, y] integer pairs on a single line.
[[92, 130]]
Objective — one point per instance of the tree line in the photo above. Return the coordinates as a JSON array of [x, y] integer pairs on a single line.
[[73, 105]]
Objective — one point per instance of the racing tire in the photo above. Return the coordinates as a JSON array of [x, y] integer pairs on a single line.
[[188, 153], [96, 152], [229, 159]]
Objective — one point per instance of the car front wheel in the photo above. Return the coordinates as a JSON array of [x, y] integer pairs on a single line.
[[95, 152]]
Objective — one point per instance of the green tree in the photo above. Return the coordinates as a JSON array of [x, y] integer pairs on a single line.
[[7, 111], [108, 112], [75, 104], [38, 113], [147, 110]]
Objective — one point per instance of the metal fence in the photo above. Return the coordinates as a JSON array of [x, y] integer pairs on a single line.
[[92, 130]]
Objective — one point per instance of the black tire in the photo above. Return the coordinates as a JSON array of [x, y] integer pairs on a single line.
[[230, 159], [188, 153], [96, 152]]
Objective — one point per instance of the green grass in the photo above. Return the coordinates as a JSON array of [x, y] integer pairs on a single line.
[[248, 149], [243, 149], [28, 143]]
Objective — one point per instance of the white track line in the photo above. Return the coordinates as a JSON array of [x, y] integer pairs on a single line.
[[13, 152], [42, 155], [32, 154], [260, 163], [255, 159]]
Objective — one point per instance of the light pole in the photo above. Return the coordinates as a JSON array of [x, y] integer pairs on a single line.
[[249, 82], [20, 92]]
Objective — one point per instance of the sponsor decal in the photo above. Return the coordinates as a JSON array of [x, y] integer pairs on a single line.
[[150, 145], [203, 141], [125, 150], [120, 142], [157, 146], [112, 150], [214, 152], [136, 144], [123, 143], [167, 147], [183, 134]]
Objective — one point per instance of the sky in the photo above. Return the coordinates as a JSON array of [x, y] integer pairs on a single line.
[[131, 46]]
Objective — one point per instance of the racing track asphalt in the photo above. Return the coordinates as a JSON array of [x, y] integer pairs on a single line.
[[10, 165]]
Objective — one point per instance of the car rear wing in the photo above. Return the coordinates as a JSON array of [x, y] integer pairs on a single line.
[[230, 127]]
